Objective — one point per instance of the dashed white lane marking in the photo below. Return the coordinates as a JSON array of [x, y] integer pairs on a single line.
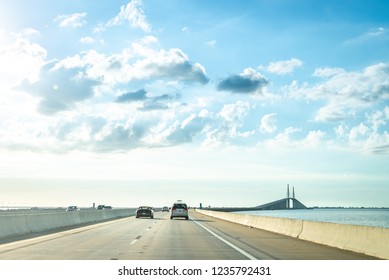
[[136, 239], [227, 242]]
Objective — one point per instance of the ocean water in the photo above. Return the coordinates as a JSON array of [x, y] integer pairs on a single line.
[[366, 217]]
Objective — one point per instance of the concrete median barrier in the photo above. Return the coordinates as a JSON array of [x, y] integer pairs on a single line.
[[19, 224], [373, 241]]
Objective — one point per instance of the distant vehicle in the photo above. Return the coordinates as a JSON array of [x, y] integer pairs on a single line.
[[165, 209], [72, 208], [179, 210], [145, 211], [102, 207]]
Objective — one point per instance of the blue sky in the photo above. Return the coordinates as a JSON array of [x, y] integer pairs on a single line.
[[219, 102]]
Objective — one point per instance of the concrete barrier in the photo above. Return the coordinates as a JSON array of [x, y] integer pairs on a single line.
[[18, 224], [373, 241]]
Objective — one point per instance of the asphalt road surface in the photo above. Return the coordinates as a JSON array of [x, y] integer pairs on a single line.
[[199, 238]]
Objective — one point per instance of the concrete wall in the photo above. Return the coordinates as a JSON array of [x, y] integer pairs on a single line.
[[18, 224], [371, 241]]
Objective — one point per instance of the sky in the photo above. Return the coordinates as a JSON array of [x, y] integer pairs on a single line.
[[224, 103]]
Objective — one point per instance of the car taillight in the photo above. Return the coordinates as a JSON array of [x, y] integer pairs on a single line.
[[186, 209], [174, 208]]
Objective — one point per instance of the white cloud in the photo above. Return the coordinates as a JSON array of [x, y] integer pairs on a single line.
[[328, 72], [60, 88], [68, 87], [87, 40], [283, 67], [341, 131], [73, 20], [345, 93], [334, 112], [74, 83], [187, 130], [138, 63], [211, 44], [30, 31], [367, 136], [227, 125], [287, 140], [362, 137], [283, 140], [235, 112], [147, 40], [19, 60], [268, 123], [378, 118], [18, 133], [100, 27], [377, 32], [358, 131], [314, 139], [171, 64], [372, 34], [134, 14]]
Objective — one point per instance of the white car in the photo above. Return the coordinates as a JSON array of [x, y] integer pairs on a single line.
[[179, 210]]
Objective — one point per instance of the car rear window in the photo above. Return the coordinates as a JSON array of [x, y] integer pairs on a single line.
[[180, 205]]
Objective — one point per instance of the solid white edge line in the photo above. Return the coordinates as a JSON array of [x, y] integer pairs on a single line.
[[227, 242]]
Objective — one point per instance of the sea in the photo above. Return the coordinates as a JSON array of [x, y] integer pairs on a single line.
[[374, 217]]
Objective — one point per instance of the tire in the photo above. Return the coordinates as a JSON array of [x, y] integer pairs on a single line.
[[171, 218], [186, 218]]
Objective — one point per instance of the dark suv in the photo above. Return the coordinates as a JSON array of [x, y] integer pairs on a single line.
[[144, 211]]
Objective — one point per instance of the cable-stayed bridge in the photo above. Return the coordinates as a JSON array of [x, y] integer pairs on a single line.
[[290, 202]]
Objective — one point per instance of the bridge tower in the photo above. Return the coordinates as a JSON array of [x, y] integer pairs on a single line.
[[290, 199], [287, 197]]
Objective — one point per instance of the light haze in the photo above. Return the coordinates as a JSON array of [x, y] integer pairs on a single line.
[[222, 103]]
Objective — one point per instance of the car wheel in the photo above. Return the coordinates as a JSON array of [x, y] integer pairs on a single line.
[[171, 218]]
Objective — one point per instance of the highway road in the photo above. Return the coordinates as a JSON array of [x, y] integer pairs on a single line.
[[199, 238]]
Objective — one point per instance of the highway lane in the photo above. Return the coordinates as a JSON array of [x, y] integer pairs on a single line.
[[199, 238]]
